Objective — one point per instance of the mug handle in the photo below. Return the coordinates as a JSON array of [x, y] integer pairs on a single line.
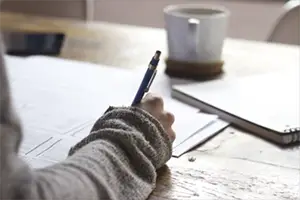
[[194, 35]]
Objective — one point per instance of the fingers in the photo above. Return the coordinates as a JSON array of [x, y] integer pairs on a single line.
[[154, 102], [171, 134], [168, 118], [167, 121]]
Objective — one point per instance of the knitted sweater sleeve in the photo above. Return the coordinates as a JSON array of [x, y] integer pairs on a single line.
[[116, 161]]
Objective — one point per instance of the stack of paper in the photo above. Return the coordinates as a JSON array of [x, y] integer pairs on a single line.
[[59, 100]]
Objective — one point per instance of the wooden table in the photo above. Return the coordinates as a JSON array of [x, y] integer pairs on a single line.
[[233, 165]]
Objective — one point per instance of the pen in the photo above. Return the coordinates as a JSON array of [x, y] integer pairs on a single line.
[[148, 79]]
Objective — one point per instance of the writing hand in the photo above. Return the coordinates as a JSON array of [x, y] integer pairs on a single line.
[[154, 105]]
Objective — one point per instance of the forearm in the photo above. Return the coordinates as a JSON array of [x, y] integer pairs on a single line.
[[117, 161]]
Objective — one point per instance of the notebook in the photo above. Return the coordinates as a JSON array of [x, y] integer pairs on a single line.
[[59, 109], [266, 105]]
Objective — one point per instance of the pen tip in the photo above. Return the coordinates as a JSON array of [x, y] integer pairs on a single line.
[[157, 54]]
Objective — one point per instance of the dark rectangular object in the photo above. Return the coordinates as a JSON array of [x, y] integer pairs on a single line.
[[33, 43]]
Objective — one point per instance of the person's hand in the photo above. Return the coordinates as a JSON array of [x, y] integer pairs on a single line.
[[154, 105]]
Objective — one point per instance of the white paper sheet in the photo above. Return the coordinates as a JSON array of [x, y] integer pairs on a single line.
[[59, 101], [185, 127], [33, 139], [199, 137], [57, 150]]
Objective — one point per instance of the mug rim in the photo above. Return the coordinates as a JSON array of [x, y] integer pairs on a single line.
[[169, 10]]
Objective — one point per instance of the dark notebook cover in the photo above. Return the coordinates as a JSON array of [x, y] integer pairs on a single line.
[[267, 105]]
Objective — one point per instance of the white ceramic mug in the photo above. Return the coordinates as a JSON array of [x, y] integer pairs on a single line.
[[195, 32]]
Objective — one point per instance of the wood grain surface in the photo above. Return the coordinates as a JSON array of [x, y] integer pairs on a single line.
[[234, 164]]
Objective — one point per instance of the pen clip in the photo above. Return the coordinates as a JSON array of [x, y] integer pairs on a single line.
[[150, 81]]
